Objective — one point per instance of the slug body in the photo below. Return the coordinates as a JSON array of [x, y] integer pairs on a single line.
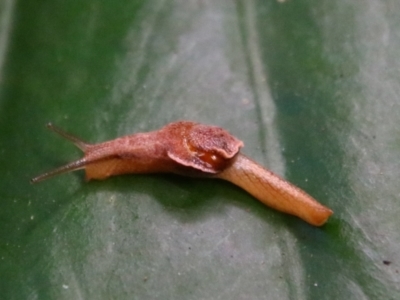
[[192, 149]]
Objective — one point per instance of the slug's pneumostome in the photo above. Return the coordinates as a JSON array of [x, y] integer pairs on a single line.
[[191, 149]]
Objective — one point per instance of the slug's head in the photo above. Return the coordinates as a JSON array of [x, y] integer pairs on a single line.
[[206, 148]]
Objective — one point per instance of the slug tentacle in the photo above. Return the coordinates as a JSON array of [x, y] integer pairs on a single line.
[[274, 191], [77, 142], [72, 166]]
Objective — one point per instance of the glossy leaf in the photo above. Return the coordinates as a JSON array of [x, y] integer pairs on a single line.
[[311, 87]]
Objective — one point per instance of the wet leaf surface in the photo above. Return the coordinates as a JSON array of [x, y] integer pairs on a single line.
[[311, 88]]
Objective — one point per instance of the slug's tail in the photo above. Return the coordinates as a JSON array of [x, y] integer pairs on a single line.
[[275, 191]]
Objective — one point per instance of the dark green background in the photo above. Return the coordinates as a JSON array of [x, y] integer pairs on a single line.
[[311, 87]]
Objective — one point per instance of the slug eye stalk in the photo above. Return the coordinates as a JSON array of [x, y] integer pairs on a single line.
[[72, 166], [191, 149]]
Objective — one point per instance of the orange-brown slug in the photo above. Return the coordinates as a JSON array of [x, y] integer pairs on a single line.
[[193, 149]]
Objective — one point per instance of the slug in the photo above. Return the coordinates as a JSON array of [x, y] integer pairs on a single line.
[[191, 149]]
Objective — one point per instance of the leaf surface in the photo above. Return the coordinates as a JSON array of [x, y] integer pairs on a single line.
[[311, 87]]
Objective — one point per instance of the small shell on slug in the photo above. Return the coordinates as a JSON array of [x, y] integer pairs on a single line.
[[203, 147], [192, 149]]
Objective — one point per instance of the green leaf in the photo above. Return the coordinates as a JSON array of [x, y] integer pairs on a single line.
[[311, 87]]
